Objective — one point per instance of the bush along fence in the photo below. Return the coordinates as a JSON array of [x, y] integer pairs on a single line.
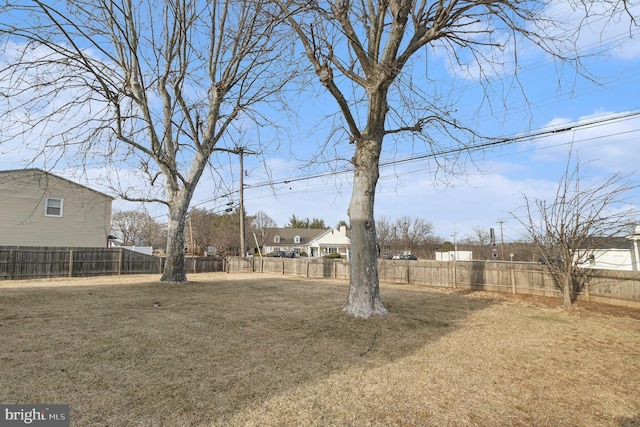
[[606, 286], [29, 262]]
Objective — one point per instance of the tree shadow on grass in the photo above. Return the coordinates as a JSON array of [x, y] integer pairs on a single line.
[[201, 353], [630, 422]]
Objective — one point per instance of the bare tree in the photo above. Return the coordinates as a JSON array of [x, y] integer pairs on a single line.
[[478, 241], [405, 234], [138, 228], [478, 236], [359, 50], [581, 217], [206, 228], [386, 236], [150, 86], [261, 225], [413, 233], [199, 232], [226, 234]]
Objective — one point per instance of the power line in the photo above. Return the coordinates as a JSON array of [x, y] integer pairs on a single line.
[[492, 143], [611, 41], [475, 147]]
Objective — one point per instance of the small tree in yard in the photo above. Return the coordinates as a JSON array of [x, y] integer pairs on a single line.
[[579, 218], [135, 228], [260, 226], [405, 234], [360, 49], [146, 86], [220, 230]]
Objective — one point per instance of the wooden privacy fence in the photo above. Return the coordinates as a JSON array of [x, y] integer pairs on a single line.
[[607, 286], [317, 268], [200, 264], [29, 262]]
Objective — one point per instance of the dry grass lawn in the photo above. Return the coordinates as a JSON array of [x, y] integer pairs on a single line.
[[265, 350]]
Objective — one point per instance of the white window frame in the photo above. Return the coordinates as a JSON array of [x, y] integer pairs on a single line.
[[276, 239], [47, 206], [296, 239]]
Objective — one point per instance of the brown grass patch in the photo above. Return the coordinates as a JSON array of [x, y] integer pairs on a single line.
[[275, 351]]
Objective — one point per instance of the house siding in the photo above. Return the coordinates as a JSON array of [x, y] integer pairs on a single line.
[[314, 242], [85, 221]]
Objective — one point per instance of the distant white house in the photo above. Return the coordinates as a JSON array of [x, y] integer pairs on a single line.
[[313, 242], [610, 259], [115, 243], [454, 256], [620, 254]]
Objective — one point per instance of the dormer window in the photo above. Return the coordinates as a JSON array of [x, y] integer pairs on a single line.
[[296, 239], [276, 239]]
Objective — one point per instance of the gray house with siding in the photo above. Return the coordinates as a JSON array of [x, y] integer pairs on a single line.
[[41, 209]]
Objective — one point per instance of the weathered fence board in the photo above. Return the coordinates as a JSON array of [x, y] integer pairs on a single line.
[[615, 287], [609, 286], [28, 262]]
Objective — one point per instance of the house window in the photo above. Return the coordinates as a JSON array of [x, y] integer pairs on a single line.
[[276, 239], [296, 239], [333, 250], [53, 207]]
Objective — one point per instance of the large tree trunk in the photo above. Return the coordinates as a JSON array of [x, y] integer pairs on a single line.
[[174, 267], [364, 289], [179, 199]]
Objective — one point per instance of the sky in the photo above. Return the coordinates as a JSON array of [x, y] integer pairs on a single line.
[[596, 119], [488, 189]]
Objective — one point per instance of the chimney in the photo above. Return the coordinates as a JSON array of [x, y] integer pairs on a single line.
[[343, 230]]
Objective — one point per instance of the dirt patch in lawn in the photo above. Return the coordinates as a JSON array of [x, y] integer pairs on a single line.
[[244, 349]]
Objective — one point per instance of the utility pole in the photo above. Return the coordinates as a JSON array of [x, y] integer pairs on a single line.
[[501, 241], [243, 249], [240, 151], [455, 245], [455, 260], [243, 244]]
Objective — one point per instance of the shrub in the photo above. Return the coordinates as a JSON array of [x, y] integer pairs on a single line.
[[332, 256]]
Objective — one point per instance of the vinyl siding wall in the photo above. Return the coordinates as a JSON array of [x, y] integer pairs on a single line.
[[85, 220]]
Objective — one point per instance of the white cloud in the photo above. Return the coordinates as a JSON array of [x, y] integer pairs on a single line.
[[605, 30], [480, 199], [606, 143]]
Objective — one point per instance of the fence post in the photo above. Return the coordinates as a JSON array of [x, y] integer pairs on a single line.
[[71, 263], [120, 261], [12, 264], [513, 279], [455, 273]]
